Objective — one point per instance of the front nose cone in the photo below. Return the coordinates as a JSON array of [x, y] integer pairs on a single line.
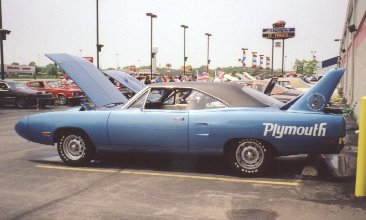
[[21, 128]]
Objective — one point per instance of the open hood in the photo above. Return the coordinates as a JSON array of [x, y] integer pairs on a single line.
[[90, 79], [126, 79]]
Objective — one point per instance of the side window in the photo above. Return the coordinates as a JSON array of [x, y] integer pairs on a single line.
[[3, 86], [167, 99], [197, 100], [139, 103], [34, 84]]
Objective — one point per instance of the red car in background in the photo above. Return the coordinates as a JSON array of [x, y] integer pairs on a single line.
[[64, 93]]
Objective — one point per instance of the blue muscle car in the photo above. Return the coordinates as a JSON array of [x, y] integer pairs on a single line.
[[245, 126]]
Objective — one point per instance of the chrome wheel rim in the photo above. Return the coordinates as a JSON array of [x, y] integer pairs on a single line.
[[250, 155], [62, 100], [74, 147]]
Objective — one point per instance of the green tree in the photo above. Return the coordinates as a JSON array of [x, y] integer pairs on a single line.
[[32, 63], [15, 63], [51, 69], [310, 67], [299, 66]]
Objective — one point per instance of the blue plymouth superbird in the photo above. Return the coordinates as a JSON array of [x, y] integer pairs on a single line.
[[247, 127]]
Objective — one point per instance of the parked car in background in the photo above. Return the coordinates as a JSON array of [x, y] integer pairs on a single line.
[[269, 87], [127, 84], [245, 126], [18, 94], [294, 83], [301, 85], [64, 94]]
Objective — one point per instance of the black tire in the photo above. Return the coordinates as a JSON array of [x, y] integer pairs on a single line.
[[75, 148], [20, 102], [250, 157], [43, 105], [62, 100]]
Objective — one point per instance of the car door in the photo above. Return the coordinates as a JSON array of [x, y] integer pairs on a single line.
[[153, 122], [205, 114]]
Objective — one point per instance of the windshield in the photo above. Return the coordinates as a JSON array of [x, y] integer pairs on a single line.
[[53, 84], [16, 85]]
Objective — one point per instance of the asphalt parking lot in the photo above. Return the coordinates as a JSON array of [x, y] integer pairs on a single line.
[[35, 184]]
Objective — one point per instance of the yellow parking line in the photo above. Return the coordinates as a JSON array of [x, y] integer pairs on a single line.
[[77, 169], [234, 180]]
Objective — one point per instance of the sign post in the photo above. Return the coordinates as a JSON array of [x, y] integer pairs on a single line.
[[278, 32]]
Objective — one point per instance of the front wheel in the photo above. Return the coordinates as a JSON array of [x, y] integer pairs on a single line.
[[250, 157], [62, 100], [21, 103], [75, 148]]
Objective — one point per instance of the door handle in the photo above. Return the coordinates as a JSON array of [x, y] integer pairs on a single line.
[[179, 118]]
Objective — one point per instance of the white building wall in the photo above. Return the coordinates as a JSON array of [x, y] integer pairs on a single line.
[[354, 58]]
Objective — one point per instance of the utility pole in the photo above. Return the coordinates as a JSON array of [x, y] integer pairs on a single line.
[[151, 15], [184, 48], [208, 50]]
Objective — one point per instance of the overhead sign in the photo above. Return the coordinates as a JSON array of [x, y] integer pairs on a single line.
[[278, 33]]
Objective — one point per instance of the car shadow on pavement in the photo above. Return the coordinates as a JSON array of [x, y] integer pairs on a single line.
[[282, 168]]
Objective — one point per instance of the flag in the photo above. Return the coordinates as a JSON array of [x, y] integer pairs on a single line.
[[203, 76], [261, 61], [268, 63], [244, 57], [254, 59]]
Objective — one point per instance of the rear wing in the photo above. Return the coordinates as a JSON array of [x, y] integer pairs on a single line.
[[316, 98]]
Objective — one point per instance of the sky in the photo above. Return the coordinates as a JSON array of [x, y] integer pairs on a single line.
[[69, 26]]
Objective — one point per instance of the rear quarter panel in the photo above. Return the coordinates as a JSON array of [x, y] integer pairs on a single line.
[[227, 124]]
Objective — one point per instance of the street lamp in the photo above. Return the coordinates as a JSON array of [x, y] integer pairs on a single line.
[[3, 34], [313, 52], [117, 54], [99, 46], [208, 50], [341, 50], [184, 48], [151, 15]]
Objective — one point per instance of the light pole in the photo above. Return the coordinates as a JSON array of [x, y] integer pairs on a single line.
[[3, 34], [340, 51], [151, 15], [117, 54], [80, 53], [184, 48], [313, 52], [208, 50], [99, 46]]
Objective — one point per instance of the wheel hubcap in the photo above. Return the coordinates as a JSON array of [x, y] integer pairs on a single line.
[[249, 155], [74, 147], [62, 100]]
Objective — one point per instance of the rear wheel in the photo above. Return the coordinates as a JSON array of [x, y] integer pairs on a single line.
[[250, 157], [61, 99], [75, 148], [20, 102]]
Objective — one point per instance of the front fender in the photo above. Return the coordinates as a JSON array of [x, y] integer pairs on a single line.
[[42, 127]]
